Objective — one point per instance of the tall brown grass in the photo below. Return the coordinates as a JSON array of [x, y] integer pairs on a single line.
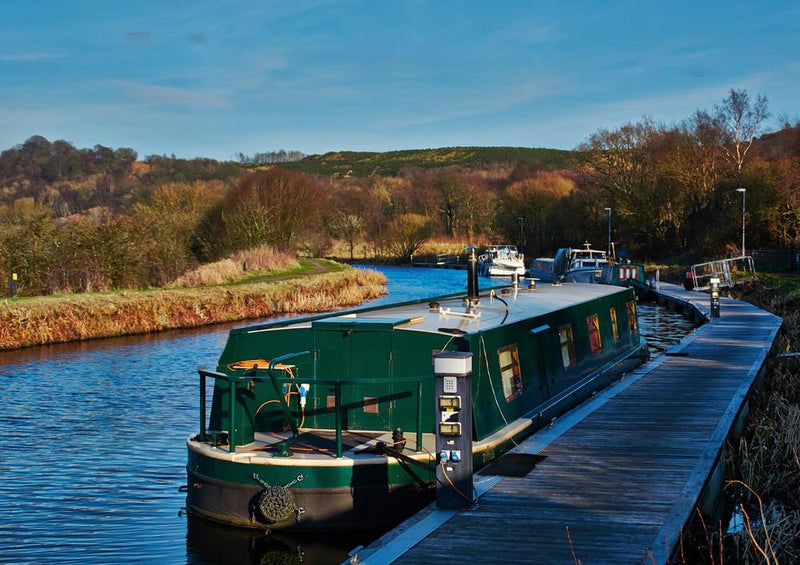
[[262, 259], [443, 245], [363, 249], [55, 319], [763, 466]]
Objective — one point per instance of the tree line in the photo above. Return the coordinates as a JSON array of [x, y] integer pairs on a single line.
[[270, 157], [114, 222]]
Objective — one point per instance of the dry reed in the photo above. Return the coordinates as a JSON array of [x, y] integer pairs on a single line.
[[762, 467], [448, 246], [77, 317], [259, 260]]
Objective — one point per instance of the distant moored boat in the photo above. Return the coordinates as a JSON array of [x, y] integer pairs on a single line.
[[501, 261]]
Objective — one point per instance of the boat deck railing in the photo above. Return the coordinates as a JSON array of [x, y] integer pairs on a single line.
[[251, 377], [728, 271]]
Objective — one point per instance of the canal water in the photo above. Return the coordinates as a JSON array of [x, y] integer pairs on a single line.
[[92, 447]]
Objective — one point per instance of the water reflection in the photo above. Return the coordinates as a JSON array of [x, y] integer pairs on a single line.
[[662, 327], [213, 544]]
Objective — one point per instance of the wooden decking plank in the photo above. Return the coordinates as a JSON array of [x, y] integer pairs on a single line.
[[626, 477]]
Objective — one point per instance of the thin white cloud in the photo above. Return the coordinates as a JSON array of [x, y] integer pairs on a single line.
[[528, 30], [568, 130], [158, 95], [485, 99], [23, 57]]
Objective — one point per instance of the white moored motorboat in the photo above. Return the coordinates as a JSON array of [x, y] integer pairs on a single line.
[[501, 261]]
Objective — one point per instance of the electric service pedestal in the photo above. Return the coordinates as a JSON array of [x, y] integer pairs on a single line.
[[715, 297], [452, 384]]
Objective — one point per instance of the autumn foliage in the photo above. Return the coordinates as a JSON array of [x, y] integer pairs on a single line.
[[84, 220]]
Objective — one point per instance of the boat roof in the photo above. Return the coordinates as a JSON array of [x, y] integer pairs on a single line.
[[457, 316], [501, 246], [584, 252]]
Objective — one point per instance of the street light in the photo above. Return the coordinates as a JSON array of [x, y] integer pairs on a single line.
[[521, 221], [608, 210], [743, 191]]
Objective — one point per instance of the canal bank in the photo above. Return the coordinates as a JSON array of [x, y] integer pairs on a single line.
[[57, 319]]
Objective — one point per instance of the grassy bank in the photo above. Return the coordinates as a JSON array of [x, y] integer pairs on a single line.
[[55, 319], [258, 261]]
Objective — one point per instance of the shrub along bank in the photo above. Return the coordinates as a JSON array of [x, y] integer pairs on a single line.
[[55, 319]]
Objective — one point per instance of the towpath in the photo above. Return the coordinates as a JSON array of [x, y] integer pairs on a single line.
[[623, 473], [316, 267]]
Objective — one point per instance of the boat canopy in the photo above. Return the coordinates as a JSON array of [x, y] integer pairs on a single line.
[[493, 310]]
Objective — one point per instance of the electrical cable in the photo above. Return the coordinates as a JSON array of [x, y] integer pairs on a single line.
[[491, 386], [452, 484], [503, 321], [264, 404]]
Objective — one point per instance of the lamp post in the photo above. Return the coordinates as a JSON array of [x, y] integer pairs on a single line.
[[521, 221], [743, 191], [608, 210]]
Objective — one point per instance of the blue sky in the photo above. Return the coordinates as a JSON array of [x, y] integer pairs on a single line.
[[213, 79]]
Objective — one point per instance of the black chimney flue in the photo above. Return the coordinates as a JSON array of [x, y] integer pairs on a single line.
[[472, 273]]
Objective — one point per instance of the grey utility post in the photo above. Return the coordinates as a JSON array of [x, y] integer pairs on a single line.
[[453, 420]]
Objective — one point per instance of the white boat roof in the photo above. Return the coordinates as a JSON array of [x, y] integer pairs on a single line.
[[501, 247], [454, 316]]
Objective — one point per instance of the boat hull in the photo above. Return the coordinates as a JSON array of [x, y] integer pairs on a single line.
[[329, 509], [503, 270], [584, 276], [332, 508]]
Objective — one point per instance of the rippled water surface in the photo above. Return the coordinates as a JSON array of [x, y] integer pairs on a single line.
[[92, 447]]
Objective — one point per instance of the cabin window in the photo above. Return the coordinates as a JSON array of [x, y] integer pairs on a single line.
[[612, 312], [595, 342], [567, 346], [370, 405], [508, 358], [633, 324]]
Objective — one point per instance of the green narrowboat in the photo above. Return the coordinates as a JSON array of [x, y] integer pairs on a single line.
[[327, 422]]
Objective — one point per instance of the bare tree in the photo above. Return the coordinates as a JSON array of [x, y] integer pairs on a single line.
[[407, 233], [273, 206], [348, 226], [740, 121]]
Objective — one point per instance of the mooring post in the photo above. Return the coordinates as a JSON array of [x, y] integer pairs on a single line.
[[202, 406], [472, 273], [714, 297]]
